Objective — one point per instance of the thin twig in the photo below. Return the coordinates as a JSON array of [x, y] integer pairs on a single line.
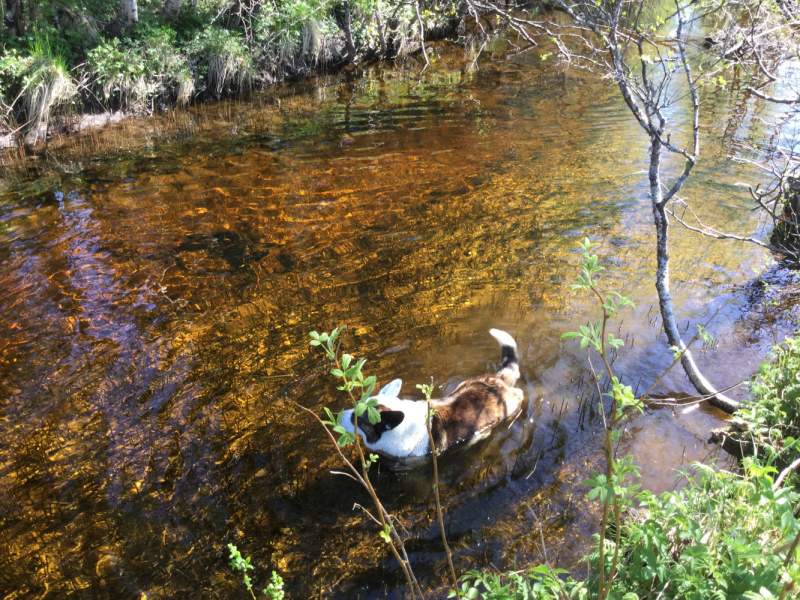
[[428, 418]]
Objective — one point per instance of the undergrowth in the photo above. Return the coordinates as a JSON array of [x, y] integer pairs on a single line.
[[222, 61], [772, 414], [134, 73], [54, 54]]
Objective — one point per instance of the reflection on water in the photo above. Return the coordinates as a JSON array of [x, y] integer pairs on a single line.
[[156, 305]]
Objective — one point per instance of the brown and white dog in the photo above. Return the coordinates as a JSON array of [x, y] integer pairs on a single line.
[[473, 408]]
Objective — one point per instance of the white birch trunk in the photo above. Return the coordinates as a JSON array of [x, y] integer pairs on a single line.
[[700, 383]]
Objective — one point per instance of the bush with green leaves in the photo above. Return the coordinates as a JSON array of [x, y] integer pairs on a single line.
[[772, 413], [538, 583], [724, 535], [13, 66], [40, 81], [132, 73], [299, 33]]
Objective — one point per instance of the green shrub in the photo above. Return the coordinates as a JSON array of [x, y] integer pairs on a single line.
[[723, 536], [772, 413], [133, 73], [301, 34], [539, 583], [13, 66]]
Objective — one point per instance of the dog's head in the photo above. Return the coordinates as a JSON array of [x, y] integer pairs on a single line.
[[389, 420]]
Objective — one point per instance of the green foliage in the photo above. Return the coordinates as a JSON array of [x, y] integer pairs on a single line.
[[273, 591], [772, 413], [241, 564], [352, 376], [721, 536], [538, 583], [13, 66], [611, 305], [300, 30], [45, 84], [386, 534], [133, 72]]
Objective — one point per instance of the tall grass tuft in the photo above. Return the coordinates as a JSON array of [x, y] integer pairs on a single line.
[[298, 37], [223, 59], [47, 85]]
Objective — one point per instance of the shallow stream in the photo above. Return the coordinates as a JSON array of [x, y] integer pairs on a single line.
[[155, 308]]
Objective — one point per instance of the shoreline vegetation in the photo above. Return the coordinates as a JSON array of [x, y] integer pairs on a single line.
[[96, 61]]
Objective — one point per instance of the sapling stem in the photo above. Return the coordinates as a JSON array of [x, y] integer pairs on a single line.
[[389, 532], [621, 398], [404, 563], [428, 390]]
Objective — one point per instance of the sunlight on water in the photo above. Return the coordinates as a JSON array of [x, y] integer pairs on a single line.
[[156, 307]]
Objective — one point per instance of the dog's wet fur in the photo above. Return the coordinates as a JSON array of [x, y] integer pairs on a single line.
[[472, 408]]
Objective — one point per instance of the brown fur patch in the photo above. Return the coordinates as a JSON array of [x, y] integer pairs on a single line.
[[474, 406]]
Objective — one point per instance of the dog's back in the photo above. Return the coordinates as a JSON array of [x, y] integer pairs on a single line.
[[480, 402]]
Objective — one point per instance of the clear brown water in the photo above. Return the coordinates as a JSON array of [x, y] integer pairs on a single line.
[[155, 307]]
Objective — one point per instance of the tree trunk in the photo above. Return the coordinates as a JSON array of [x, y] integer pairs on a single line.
[[348, 33], [171, 10], [379, 23], [15, 18], [662, 285], [421, 34], [127, 17], [786, 233]]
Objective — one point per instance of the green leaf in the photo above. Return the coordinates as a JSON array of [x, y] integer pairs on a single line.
[[345, 440], [367, 388], [386, 534], [360, 408], [337, 372], [373, 415], [346, 361]]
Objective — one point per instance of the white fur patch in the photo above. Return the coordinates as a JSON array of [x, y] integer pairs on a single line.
[[410, 438], [503, 338], [392, 389]]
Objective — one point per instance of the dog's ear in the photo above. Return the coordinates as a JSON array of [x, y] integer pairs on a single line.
[[391, 390], [392, 418]]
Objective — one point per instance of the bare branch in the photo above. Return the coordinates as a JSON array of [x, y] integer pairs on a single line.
[[708, 231]]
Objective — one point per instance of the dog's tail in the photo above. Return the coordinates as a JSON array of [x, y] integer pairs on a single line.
[[509, 364]]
